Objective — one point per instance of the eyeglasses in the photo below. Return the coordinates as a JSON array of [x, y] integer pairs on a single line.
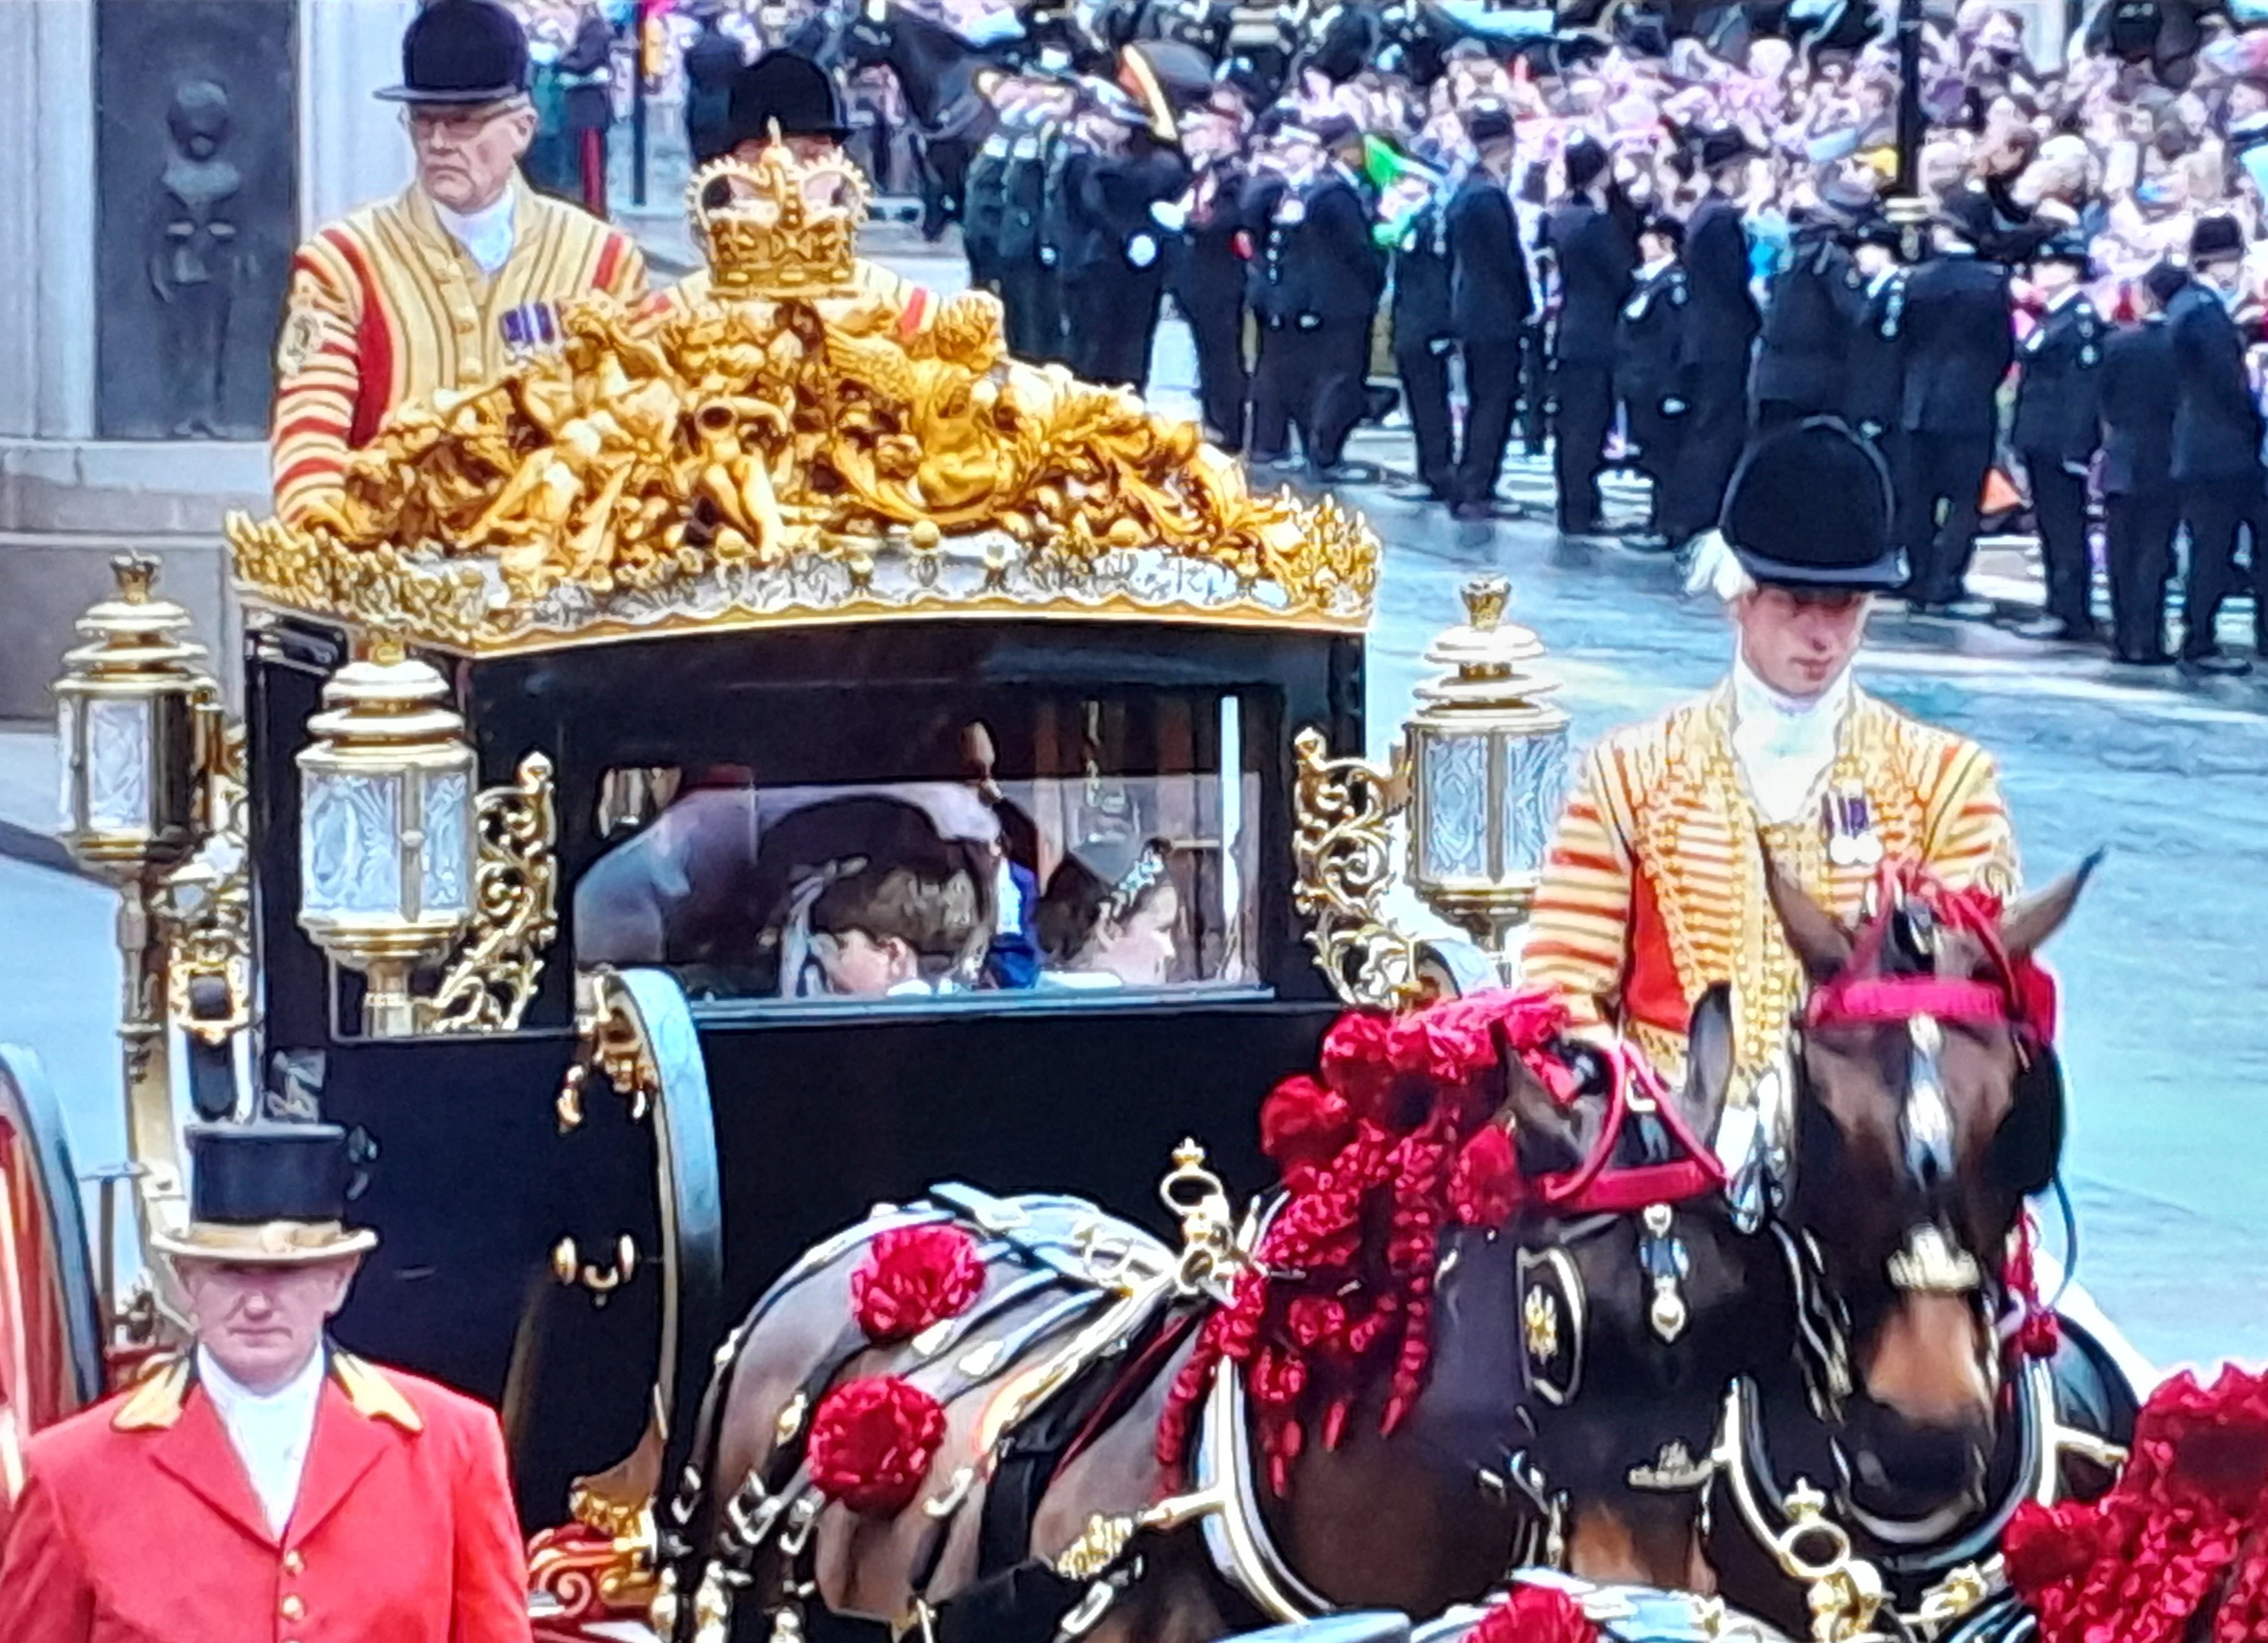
[[454, 126]]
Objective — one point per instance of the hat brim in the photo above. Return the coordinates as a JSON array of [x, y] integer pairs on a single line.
[[271, 1243], [472, 98], [1876, 576]]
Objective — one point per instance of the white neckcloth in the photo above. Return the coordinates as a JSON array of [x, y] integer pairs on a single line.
[[486, 234], [271, 1433], [1784, 744]]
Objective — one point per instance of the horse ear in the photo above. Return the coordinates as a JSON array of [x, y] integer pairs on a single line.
[[1549, 1139], [1821, 943], [2025, 927], [1708, 1063]]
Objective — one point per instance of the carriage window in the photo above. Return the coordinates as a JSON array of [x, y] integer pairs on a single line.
[[1094, 885]]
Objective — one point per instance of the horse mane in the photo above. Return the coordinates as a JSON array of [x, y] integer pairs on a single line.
[[1396, 1141]]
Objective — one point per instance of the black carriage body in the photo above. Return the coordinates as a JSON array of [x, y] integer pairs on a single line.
[[814, 1114]]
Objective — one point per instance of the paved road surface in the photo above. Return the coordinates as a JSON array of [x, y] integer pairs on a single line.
[[2166, 1039]]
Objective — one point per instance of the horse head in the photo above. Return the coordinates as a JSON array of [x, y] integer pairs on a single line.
[[1639, 1293], [1928, 1106]]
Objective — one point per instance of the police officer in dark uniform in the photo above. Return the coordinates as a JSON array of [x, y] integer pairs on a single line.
[[1208, 268], [1657, 362], [1491, 302], [2138, 399], [1068, 154], [2057, 432], [1811, 320], [1027, 283], [1958, 348], [1424, 338], [1272, 210], [1873, 362], [1589, 251], [1338, 277], [713, 61], [985, 192], [2217, 431], [1118, 278], [1725, 322]]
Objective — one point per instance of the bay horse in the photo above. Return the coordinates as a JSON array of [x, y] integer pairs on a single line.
[[1433, 1356], [1935, 1392], [937, 69]]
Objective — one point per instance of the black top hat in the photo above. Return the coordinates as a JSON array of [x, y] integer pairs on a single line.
[[1809, 506], [787, 89], [1723, 148], [462, 52], [1585, 158], [1488, 122], [267, 1194], [2215, 239]]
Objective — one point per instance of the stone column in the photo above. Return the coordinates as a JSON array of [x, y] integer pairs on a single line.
[[352, 149]]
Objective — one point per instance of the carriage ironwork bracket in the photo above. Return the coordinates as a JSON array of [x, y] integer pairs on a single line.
[[488, 985], [1342, 850]]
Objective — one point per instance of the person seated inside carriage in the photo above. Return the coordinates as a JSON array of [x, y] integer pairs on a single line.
[[1112, 916], [887, 929]]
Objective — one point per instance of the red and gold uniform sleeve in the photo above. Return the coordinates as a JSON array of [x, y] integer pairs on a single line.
[[46, 1595], [320, 366], [1578, 937], [1966, 836]]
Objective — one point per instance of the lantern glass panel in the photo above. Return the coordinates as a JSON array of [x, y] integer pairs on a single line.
[[1534, 792], [443, 857], [351, 844], [118, 765], [1454, 771], [67, 761]]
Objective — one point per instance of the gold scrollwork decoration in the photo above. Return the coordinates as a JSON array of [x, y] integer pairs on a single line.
[[515, 909], [204, 905], [1342, 850]]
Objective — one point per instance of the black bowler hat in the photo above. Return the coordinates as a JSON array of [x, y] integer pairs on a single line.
[[789, 90], [1809, 506], [462, 52], [2215, 239], [1488, 122], [267, 1194]]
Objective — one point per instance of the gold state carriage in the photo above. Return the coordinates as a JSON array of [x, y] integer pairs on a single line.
[[567, 726]]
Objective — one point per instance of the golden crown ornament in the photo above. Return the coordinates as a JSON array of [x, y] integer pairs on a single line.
[[778, 226]]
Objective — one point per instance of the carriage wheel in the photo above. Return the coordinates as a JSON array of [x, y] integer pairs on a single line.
[[50, 1318]]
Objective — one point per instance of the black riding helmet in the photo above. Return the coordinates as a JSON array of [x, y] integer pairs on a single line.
[[787, 89]]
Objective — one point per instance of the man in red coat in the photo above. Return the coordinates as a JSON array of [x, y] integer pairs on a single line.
[[268, 1486]]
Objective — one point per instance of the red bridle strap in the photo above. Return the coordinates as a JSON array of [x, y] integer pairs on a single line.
[[1594, 1187], [1878, 999]]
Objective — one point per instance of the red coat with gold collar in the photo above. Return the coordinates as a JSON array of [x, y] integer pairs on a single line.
[[137, 1524]]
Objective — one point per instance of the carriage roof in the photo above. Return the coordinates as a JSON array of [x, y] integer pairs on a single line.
[[788, 442]]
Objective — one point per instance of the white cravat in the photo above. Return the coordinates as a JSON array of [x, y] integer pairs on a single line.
[[270, 1432], [486, 234], [1784, 744]]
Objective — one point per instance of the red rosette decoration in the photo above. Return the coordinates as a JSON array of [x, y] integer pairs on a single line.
[[871, 1443], [914, 1277], [2046, 1546], [1537, 1614], [1484, 1188], [1357, 1065], [1303, 1127]]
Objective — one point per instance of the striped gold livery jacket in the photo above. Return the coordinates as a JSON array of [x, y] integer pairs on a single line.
[[1653, 890], [386, 308]]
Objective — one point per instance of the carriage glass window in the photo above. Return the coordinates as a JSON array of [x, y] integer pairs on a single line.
[[1094, 886]]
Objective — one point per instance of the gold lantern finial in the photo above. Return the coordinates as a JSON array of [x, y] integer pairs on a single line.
[[1485, 597]]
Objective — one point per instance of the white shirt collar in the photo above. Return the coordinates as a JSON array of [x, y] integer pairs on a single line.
[[486, 234], [1784, 744], [270, 1432]]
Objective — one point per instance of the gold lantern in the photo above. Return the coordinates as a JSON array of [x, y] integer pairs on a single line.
[[401, 860], [140, 734], [1478, 777], [1487, 772]]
